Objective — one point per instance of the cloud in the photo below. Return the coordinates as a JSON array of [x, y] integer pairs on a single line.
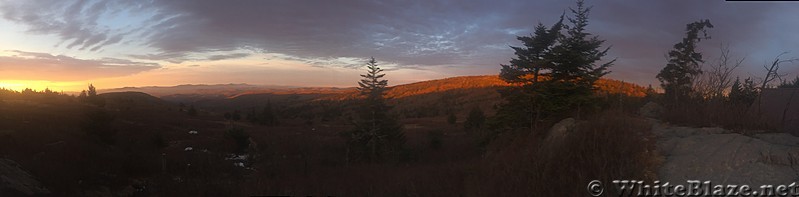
[[409, 34], [228, 56], [78, 23], [44, 66]]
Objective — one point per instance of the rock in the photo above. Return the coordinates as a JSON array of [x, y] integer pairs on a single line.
[[16, 181], [562, 128], [559, 131], [725, 157], [651, 110]]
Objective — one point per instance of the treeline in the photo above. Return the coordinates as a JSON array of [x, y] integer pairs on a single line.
[[30, 94], [701, 93]]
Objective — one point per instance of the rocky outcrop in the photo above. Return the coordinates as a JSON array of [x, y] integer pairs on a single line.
[[725, 157], [14, 181]]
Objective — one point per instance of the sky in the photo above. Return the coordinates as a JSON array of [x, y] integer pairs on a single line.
[[66, 44]]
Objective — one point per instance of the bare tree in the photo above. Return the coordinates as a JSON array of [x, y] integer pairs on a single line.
[[772, 72], [715, 81]]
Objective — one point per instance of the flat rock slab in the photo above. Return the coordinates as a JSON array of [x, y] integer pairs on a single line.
[[725, 157]]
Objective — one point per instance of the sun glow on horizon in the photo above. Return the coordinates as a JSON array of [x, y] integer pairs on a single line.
[[38, 85]]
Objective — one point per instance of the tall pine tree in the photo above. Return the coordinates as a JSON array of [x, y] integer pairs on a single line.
[[575, 68], [554, 71], [678, 76], [376, 135], [527, 69]]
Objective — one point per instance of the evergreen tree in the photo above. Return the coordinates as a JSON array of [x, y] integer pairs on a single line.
[[743, 93], [92, 91], [575, 68], [526, 71], [736, 91], [679, 74], [554, 71], [92, 98], [376, 134], [749, 91]]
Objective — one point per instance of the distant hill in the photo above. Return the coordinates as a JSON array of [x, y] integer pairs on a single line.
[[221, 91], [426, 98], [188, 89], [605, 86], [133, 100]]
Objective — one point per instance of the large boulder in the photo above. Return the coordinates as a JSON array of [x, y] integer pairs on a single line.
[[560, 131]]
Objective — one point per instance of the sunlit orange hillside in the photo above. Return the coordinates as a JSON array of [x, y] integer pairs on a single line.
[[605, 86]]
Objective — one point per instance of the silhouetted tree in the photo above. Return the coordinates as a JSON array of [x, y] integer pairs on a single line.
[[712, 83], [574, 60], [790, 84], [92, 91], [679, 74], [83, 97], [743, 93], [524, 70], [773, 71], [93, 98], [554, 71], [376, 134]]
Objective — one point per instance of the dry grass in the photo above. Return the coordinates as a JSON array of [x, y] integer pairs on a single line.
[[611, 145]]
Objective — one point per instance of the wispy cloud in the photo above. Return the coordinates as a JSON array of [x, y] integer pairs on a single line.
[[44, 66]]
